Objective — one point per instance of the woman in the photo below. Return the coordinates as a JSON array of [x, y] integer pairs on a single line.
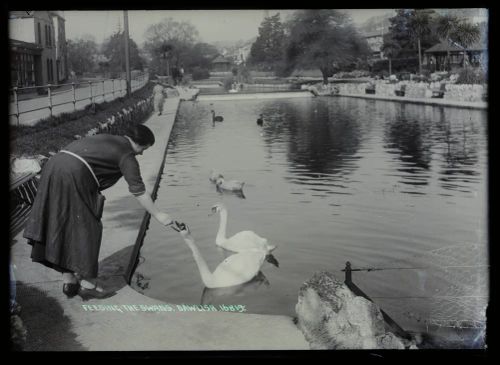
[[65, 226], [158, 97]]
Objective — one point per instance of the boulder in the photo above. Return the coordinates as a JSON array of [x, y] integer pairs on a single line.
[[331, 316]]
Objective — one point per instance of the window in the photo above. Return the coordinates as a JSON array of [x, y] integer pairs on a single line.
[[39, 34]]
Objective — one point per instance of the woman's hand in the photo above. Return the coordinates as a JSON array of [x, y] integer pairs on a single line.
[[164, 218]]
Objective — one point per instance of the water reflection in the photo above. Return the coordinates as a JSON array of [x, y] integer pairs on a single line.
[[460, 154], [321, 142], [409, 140]]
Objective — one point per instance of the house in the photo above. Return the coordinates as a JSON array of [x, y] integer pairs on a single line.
[[375, 40], [61, 47], [436, 57], [38, 54], [221, 64], [373, 30]]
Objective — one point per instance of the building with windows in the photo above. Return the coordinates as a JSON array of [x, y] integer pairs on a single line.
[[373, 30], [61, 47], [38, 54]]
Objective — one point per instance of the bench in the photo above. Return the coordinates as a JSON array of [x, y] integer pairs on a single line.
[[22, 193]]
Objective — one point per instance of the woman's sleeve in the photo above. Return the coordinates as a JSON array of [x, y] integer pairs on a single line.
[[132, 174]]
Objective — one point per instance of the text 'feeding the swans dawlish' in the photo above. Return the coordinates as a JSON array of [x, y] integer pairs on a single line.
[[239, 308]]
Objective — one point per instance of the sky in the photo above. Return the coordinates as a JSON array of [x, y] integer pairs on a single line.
[[213, 25]]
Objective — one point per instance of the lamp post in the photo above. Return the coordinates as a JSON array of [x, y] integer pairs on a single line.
[[127, 55]]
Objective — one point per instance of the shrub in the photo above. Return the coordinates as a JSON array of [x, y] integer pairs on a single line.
[[398, 65], [228, 82], [53, 133], [470, 75], [200, 73]]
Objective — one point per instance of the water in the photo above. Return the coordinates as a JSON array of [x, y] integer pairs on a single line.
[[328, 180]]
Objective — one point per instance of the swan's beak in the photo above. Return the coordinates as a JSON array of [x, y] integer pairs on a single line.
[[271, 259]]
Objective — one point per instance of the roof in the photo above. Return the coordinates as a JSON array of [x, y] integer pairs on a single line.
[[374, 33], [16, 14], [15, 44], [220, 59], [444, 46]]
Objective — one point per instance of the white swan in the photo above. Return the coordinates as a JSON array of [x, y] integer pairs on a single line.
[[210, 294], [241, 241], [234, 270]]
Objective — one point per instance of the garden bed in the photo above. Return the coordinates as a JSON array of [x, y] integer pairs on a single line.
[[53, 133]]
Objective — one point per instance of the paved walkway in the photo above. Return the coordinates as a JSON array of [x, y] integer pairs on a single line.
[[55, 323], [427, 101]]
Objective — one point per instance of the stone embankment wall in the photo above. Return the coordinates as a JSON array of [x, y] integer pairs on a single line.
[[419, 90], [332, 317]]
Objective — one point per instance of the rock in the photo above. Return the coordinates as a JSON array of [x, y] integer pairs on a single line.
[[331, 316]]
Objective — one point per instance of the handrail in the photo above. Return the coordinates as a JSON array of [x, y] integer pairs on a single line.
[[142, 78]]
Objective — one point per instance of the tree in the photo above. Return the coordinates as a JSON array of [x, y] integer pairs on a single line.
[[325, 38], [181, 36], [390, 48], [267, 50], [445, 26], [80, 55], [201, 56], [451, 28], [412, 30], [113, 49], [419, 27]]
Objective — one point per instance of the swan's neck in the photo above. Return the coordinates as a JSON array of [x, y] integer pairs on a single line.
[[206, 275], [221, 234]]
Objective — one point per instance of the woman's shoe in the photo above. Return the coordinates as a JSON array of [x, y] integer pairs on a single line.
[[71, 289], [87, 294]]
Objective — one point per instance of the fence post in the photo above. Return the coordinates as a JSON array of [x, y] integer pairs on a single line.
[[90, 87], [74, 95], [17, 105], [49, 95], [113, 82], [103, 92], [348, 273]]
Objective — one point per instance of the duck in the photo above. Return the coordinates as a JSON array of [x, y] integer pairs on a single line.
[[260, 120], [243, 241], [228, 185], [234, 270], [214, 175], [216, 118]]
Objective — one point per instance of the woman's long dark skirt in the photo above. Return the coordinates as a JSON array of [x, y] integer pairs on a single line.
[[64, 226]]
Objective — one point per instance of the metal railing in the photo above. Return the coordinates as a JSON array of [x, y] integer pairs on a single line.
[[356, 290], [98, 89]]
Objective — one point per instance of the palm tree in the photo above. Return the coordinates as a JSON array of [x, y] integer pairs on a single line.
[[466, 34], [445, 26], [391, 49], [419, 27]]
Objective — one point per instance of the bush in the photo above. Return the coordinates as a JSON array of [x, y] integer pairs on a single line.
[[398, 65], [471, 76], [53, 133], [228, 83], [200, 73]]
